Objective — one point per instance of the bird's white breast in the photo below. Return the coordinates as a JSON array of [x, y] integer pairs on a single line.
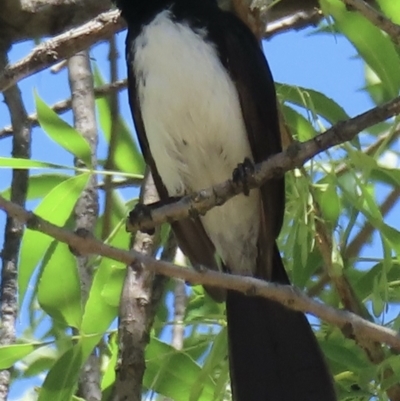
[[195, 129]]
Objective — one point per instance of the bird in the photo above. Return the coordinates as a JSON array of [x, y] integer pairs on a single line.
[[204, 108]]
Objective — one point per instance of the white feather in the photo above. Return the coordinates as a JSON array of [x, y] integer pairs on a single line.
[[195, 129]]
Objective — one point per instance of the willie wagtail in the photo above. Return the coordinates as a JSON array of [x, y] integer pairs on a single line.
[[203, 100]]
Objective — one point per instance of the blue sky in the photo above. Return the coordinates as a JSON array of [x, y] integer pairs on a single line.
[[325, 63]]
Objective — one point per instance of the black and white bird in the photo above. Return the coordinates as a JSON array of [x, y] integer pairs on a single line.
[[203, 100]]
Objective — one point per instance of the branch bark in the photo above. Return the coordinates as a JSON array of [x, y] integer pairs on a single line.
[[60, 47], [287, 295], [140, 295], [87, 206], [32, 19], [21, 147]]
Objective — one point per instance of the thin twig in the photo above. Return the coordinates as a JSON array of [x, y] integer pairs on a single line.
[[60, 47], [287, 295], [114, 114]]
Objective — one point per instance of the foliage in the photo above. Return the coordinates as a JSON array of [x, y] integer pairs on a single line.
[[345, 183]]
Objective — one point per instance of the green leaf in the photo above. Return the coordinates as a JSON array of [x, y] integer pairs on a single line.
[[216, 356], [62, 133], [344, 353], [23, 164], [386, 175], [391, 9], [313, 100], [392, 236], [59, 290], [330, 203], [374, 86], [127, 156], [40, 185], [41, 360], [298, 124], [62, 379], [100, 311], [10, 354], [173, 373], [378, 303], [373, 46], [108, 378], [57, 207], [102, 305], [111, 292]]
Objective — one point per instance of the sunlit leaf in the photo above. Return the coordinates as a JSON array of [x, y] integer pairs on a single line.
[[62, 133], [112, 287], [102, 307], [10, 354], [391, 9], [57, 206], [59, 290], [23, 164], [298, 124]]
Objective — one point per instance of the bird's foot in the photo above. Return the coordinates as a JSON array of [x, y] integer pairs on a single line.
[[241, 174], [140, 214]]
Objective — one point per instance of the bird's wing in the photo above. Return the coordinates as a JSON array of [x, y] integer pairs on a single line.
[[243, 58]]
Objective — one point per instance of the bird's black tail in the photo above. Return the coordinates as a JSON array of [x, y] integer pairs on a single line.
[[274, 355]]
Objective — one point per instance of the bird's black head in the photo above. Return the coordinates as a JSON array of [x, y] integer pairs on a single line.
[[130, 9]]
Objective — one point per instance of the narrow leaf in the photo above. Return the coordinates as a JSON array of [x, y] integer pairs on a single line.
[[62, 379], [313, 100], [57, 206], [59, 290], [10, 354], [62, 133]]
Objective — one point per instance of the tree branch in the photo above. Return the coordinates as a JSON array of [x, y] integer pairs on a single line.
[[21, 147], [287, 295], [140, 295], [297, 21], [32, 19], [87, 207], [294, 156], [61, 46]]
